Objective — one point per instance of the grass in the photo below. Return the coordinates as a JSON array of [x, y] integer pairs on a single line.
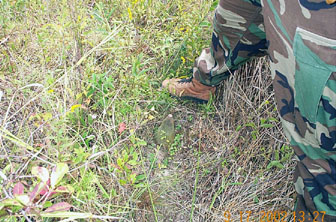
[[73, 72]]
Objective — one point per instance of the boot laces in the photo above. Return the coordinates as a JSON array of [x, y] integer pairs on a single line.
[[186, 80]]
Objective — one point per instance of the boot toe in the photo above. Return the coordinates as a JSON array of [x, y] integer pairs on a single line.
[[169, 83], [165, 83]]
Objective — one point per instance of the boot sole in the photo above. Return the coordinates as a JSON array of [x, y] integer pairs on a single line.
[[194, 99]]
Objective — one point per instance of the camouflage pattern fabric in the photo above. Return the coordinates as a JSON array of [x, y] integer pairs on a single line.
[[238, 36], [301, 43]]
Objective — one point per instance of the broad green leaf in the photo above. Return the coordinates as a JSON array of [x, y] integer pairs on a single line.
[[120, 162], [205, 23], [273, 119], [275, 164], [140, 177], [238, 128], [41, 173], [47, 116], [63, 206], [266, 125], [122, 182], [214, 5], [23, 199], [142, 143], [135, 156], [139, 185], [133, 162], [279, 165], [72, 215], [9, 202], [47, 204], [57, 174], [3, 212], [250, 125]]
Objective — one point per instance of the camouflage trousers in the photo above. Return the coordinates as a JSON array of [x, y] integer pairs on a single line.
[[300, 39]]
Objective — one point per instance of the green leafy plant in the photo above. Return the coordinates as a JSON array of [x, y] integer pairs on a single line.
[[280, 157], [127, 163], [176, 145], [38, 200]]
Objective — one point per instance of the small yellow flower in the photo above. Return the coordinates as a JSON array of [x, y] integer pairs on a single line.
[[50, 91], [75, 107], [183, 59], [129, 13]]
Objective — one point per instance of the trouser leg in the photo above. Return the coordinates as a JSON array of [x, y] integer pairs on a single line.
[[238, 36], [302, 47]]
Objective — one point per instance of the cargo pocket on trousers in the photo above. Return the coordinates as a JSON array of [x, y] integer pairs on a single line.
[[315, 61]]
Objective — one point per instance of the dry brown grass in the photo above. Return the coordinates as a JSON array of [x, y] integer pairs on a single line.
[[229, 164]]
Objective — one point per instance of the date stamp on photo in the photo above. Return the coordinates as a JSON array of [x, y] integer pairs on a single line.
[[275, 216]]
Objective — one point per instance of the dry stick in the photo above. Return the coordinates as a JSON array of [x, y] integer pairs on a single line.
[[6, 193], [35, 155], [4, 41], [8, 135], [25, 216], [96, 217], [95, 156], [148, 189], [112, 102], [5, 151], [11, 102], [197, 175], [220, 190]]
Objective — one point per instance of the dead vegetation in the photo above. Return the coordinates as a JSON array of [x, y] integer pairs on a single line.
[[72, 74]]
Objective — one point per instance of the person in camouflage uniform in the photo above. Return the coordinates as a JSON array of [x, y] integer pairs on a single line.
[[300, 38]]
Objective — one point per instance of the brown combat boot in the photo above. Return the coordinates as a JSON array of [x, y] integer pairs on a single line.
[[189, 88]]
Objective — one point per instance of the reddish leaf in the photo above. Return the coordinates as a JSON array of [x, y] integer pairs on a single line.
[[45, 189], [122, 127], [52, 193], [61, 188], [36, 191], [64, 189], [63, 206], [18, 189]]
